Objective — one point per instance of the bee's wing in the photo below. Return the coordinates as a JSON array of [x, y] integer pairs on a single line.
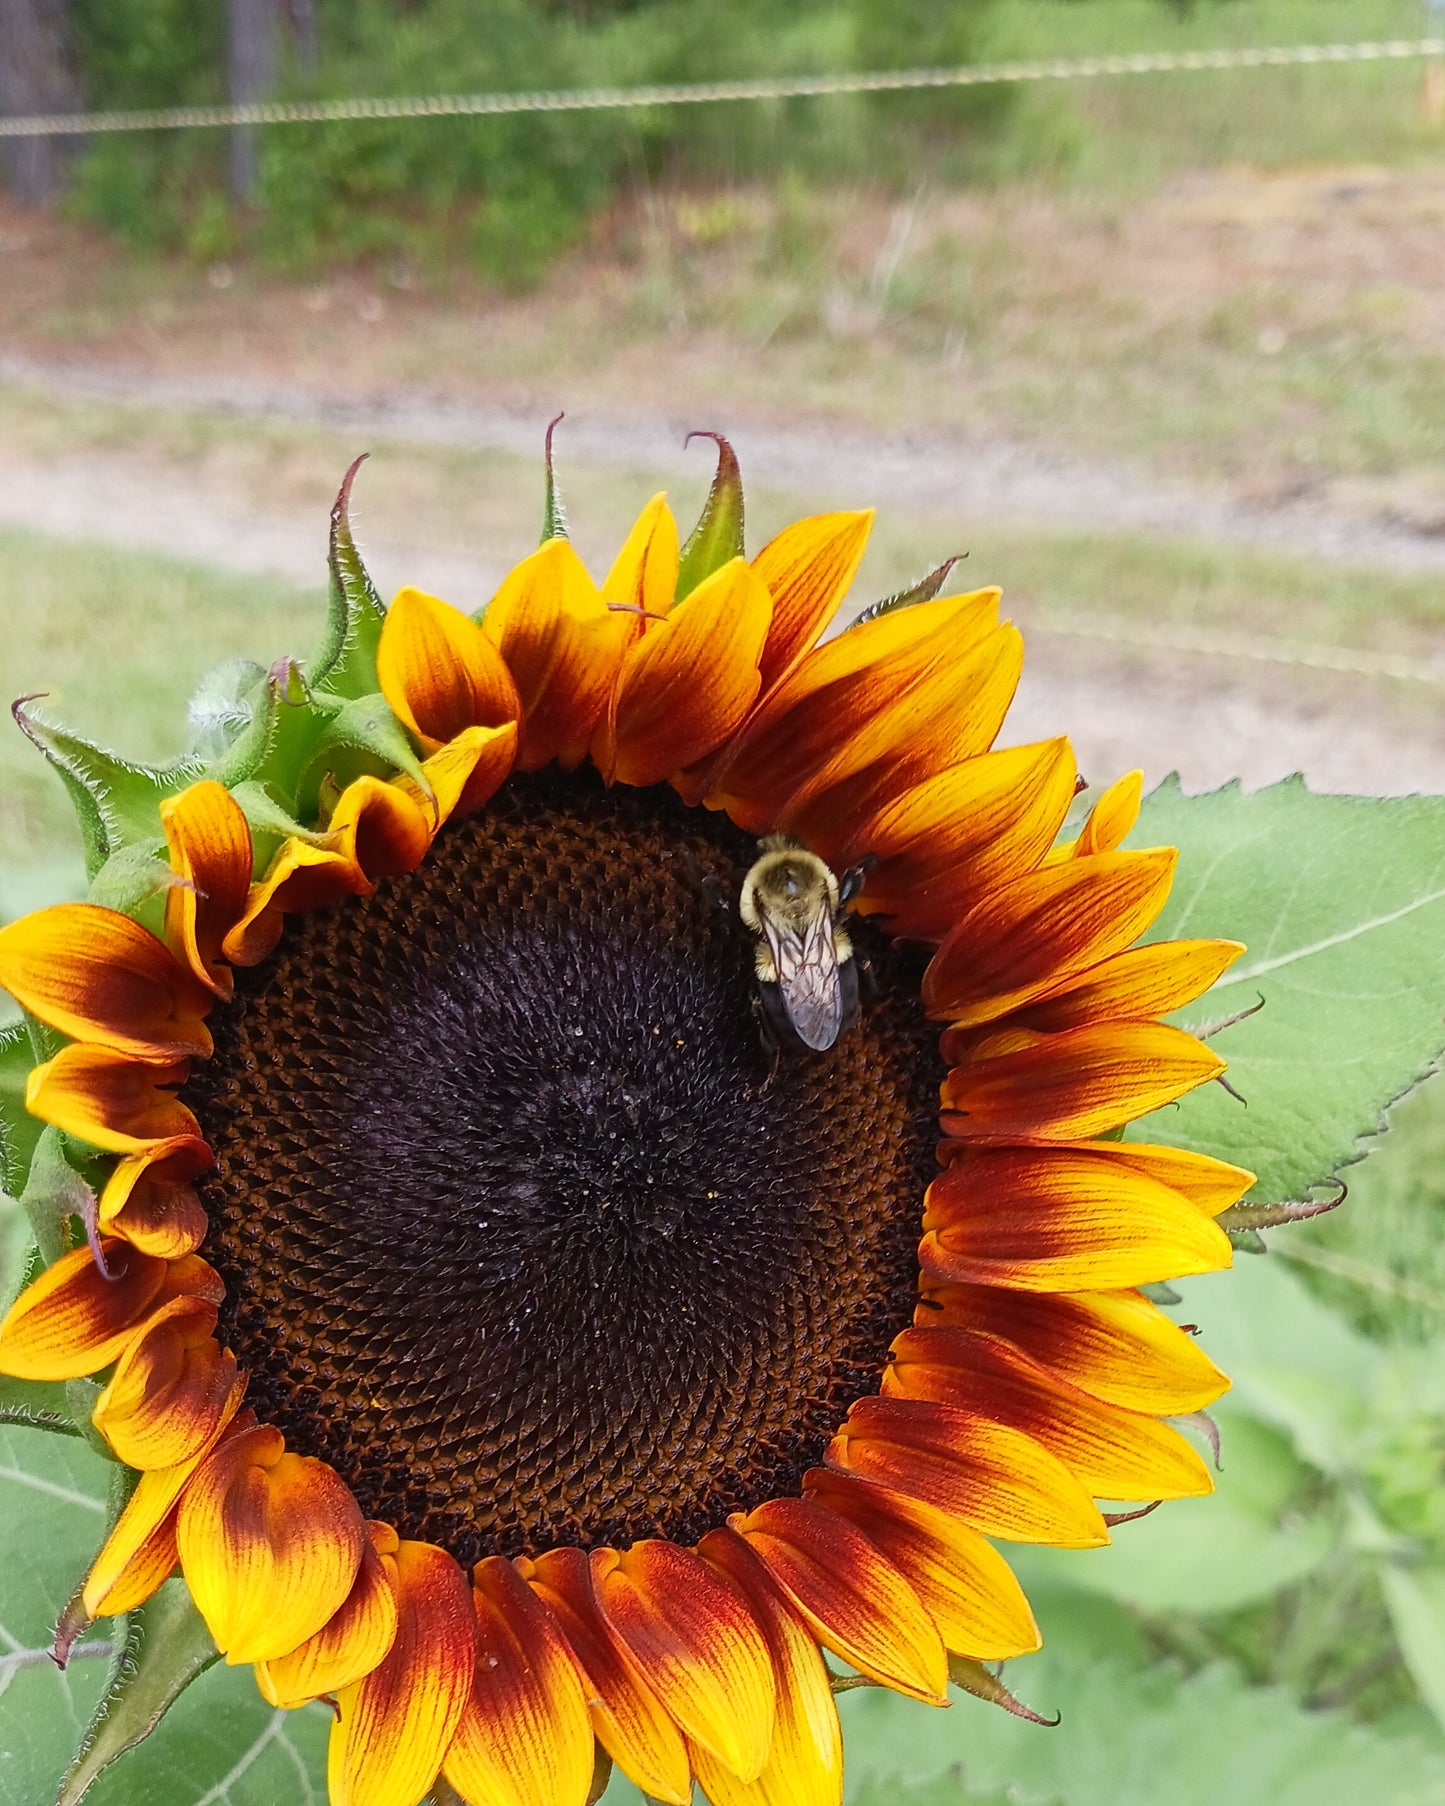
[[807, 964]]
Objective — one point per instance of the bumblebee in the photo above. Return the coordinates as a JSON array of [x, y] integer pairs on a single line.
[[806, 971]]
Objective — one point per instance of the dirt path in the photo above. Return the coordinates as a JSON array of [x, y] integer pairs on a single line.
[[981, 479], [1209, 717]]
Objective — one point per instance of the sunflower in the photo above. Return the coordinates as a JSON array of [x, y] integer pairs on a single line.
[[505, 1343]]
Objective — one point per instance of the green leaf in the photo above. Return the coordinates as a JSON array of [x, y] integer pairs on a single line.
[[164, 1647], [1132, 1738], [1416, 1598], [221, 1744], [277, 745], [19, 1130], [52, 1518], [926, 588], [1341, 904], [718, 536], [117, 802], [362, 736], [554, 515], [345, 662]]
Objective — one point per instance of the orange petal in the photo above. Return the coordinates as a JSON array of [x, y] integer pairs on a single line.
[[563, 649], [1137, 983], [805, 1759], [1113, 815], [964, 1584], [807, 568], [1116, 1454], [644, 573], [974, 825], [1080, 1082], [525, 1738], [630, 1720], [1115, 1345], [685, 686], [1210, 1185], [1027, 939], [692, 1635], [71, 1320], [393, 1728], [384, 827], [993, 1477], [1061, 1220], [832, 717], [210, 847], [901, 736], [98, 976], [302, 876], [110, 1099], [140, 1551], [270, 1542], [167, 1396], [467, 771], [439, 671], [351, 1643], [855, 1600], [148, 1201]]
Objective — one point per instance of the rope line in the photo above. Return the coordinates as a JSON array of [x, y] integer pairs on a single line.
[[788, 87]]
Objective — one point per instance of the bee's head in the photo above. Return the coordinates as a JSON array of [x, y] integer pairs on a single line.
[[787, 884]]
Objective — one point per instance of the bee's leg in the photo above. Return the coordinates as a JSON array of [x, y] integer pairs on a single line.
[[854, 879], [869, 989], [768, 1036], [710, 886]]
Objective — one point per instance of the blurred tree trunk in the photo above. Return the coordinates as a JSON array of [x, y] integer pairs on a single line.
[[252, 56], [37, 75]]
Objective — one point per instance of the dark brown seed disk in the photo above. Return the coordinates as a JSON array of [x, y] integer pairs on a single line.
[[515, 1229]]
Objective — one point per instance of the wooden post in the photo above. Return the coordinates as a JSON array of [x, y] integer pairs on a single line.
[[252, 71], [37, 75]]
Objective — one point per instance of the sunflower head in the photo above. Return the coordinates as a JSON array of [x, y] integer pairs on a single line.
[[582, 1145]]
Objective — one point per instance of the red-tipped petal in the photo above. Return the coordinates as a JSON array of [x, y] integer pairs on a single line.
[[856, 1601], [71, 1320], [1076, 1084], [562, 647], [353, 1641], [210, 847], [964, 1584], [166, 1399], [525, 1738], [995, 1478], [807, 568], [140, 1551], [112, 1100], [1032, 937], [1116, 1454], [692, 1635], [1115, 1345], [100, 977], [1056, 1219], [393, 1729], [685, 686], [149, 1201], [1133, 985], [630, 1720], [805, 1759]]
